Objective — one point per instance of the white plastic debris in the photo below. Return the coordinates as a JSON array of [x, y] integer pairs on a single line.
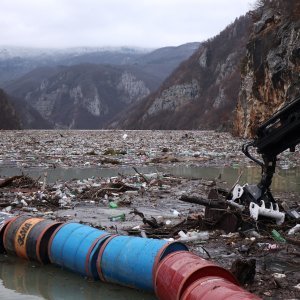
[[168, 222], [182, 234], [7, 209], [294, 229], [195, 236], [278, 275], [175, 212], [297, 287], [24, 202]]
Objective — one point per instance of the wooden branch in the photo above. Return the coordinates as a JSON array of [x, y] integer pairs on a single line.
[[142, 175], [9, 180], [295, 242]]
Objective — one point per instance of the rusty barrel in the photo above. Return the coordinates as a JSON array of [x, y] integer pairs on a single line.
[[131, 261], [75, 247], [38, 239], [5, 218], [216, 288], [16, 233], [176, 272]]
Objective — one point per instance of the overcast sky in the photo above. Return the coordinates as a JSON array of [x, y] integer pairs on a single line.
[[143, 23]]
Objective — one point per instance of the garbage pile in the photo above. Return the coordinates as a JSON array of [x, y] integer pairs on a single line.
[[141, 263], [262, 252], [108, 148]]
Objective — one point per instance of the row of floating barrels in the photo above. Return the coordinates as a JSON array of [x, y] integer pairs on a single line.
[[167, 268]]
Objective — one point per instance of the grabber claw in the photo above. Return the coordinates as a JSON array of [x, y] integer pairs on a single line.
[[272, 212]]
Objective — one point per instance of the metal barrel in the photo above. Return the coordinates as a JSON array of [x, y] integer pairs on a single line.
[[16, 234], [216, 288], [75, 246], [5, 218], [130, 261], [38, 239], [177, 271]]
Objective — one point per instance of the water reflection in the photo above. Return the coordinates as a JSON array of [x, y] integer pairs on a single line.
[[284, 179], [71, 173], [53, 283]]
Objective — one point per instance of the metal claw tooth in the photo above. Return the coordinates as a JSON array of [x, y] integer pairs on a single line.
[[274, 213]]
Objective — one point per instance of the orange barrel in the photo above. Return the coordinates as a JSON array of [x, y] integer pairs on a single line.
[[10, 233], [177, 271], [38, 239], [16, 234], [216, 288], [5, 218]]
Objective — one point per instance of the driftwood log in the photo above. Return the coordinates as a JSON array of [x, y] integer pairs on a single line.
[[213, 203]]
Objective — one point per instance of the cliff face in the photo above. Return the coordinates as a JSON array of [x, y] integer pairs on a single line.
[[202, 92], [9, 119], [271, 68], [82, 96]]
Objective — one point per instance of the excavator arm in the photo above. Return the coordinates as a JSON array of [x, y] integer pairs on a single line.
[[277, 134]]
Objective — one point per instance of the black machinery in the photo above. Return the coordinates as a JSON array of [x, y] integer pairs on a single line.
[[279, 133]]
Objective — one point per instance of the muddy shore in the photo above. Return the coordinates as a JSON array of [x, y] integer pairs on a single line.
[[115, 203]]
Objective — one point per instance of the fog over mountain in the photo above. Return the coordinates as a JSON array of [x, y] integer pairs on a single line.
[[85, 87]]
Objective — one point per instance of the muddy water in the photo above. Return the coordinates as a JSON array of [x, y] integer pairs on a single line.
[[285, 180], [22, 280]]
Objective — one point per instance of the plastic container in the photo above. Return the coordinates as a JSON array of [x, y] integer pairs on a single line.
[[131, 261], [176, 272], [75, 247], [216, 288]]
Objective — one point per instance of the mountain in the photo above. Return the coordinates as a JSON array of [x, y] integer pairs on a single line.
[[83, 96], [65, 94], [270, 72], [29, 117], [163, 61], [9, 118], [16, 62], [202, 92]]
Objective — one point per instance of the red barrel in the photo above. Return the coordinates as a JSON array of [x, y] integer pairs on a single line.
[[216, 288], [177, 271]]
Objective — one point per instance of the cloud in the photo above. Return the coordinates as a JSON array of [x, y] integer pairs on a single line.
[[146, 23]]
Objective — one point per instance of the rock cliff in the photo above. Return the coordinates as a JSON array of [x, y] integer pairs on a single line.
[[82, 96], [9, 118], [271, 67], [202, 92]]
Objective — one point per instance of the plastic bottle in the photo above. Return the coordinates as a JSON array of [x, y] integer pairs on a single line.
[[120, 217], [277, 237]]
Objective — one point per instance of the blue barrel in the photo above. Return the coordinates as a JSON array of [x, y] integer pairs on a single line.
[[75, 246], [131, 261]]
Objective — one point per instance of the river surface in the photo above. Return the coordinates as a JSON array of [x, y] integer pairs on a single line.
[[285, 180], [23, 280]]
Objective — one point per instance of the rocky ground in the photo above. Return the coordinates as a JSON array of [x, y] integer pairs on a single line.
[[154, 204]]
